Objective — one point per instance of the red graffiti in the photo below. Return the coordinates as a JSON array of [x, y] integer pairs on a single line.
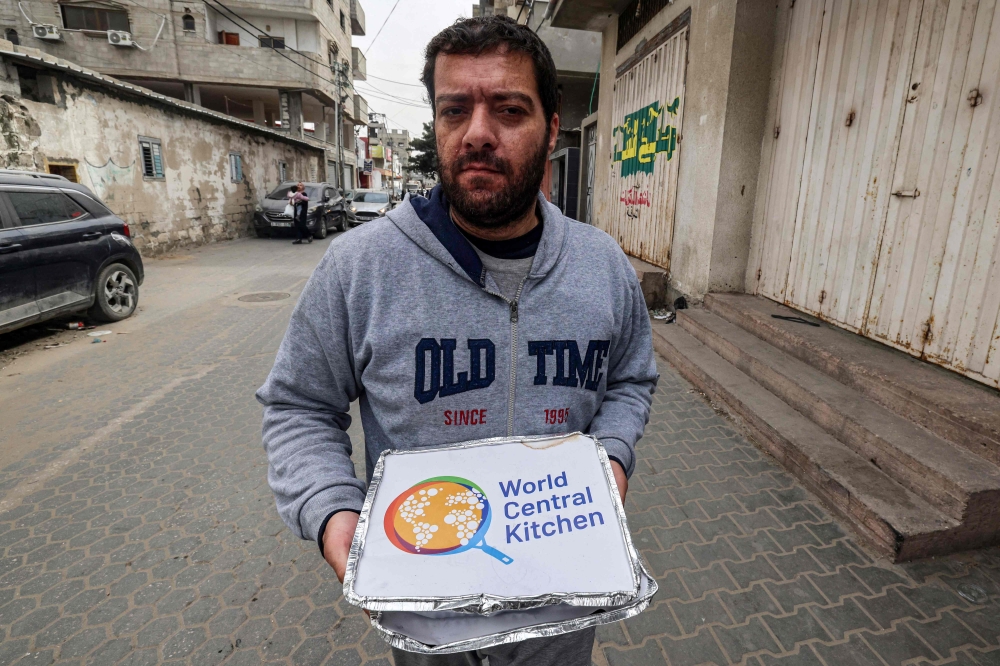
[[633, 197]]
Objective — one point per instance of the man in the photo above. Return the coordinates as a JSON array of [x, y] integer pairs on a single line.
[[482, 299]]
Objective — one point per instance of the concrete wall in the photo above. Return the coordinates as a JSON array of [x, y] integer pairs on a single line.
[[572, 50], [97, 130], [729, 53]]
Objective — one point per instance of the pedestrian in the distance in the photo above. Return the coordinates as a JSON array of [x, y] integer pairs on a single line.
[[300, 202], [482, 298]]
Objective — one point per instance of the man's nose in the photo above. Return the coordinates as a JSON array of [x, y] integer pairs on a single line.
[[481, 132]]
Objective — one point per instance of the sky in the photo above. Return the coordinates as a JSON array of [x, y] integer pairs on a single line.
[[397, 55]]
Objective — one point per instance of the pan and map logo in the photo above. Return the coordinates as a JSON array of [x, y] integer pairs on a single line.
[[441, 516]]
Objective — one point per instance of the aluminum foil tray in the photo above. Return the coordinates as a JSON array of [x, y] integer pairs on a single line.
[[445, 632], [494, 525]]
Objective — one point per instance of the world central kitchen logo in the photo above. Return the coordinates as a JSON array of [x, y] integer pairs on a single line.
[[549, 506], [644, 135]]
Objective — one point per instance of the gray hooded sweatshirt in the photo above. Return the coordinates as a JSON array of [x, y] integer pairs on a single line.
[[401, 315]]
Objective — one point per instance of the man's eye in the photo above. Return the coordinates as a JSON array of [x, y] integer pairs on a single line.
[[453, 111], [512, 111]]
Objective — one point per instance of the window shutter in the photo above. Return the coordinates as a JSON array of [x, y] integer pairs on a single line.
[[147, 159], [157, 161]]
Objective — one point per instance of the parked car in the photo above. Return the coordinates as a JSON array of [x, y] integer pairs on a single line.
[[62, 252], [366, 205], [326, 210]]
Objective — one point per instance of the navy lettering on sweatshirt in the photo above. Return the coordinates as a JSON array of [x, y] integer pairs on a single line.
[[570, 369], [435, 374], [435, 368]]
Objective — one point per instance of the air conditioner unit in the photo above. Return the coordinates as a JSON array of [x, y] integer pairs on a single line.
[[45, 31], [120, 38]]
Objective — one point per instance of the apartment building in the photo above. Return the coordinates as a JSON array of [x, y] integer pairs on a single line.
[[283, 64]]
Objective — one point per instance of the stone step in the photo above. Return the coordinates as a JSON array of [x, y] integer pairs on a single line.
[[954, 480], [890, 518], [954, 407], [652, 281]]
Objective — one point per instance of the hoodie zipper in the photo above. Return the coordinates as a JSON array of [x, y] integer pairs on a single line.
[[513, 351]]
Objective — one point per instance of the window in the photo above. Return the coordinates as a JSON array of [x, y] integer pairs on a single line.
[[152, 160], [187, 21], [371, 197], [67, 171], [92, 206], [235, 167], [229, 38], [11, 36], [41, 207], [343, 21], [94, 18], [271, 42], [282, 171]]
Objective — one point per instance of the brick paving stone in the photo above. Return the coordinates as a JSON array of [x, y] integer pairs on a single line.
[[853, 652], [741, 640], [898, 646], [702, 648], [744, 603], [703, 612]]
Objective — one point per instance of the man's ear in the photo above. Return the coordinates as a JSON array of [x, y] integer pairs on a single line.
[[553, 131]]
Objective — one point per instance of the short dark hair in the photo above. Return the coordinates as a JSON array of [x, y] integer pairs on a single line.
[[481, 34]]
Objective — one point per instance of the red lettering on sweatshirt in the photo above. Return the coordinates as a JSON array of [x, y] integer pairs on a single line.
[[464, 417]]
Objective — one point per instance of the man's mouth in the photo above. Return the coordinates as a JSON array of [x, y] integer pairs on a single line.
[[476, 169]]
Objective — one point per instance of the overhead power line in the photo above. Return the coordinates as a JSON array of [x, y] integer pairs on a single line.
[[370, 45], [414, 85], [398, 97]]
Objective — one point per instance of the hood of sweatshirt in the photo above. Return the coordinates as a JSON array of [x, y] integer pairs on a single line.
[[427, 223]]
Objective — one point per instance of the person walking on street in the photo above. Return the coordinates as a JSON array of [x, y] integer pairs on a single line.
[[481, 297], [300, 203]]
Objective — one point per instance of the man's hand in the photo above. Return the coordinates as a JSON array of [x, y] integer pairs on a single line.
[[337, 541], [620, 479]]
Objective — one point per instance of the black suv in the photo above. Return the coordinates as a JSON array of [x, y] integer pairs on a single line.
[[62, 252], [326, 210]]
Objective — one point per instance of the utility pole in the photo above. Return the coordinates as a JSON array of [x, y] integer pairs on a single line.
[[339, 71]]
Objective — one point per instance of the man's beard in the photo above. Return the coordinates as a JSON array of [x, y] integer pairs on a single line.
[[494, 210]]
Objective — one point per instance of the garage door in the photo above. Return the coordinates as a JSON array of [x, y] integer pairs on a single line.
[[648, 109], [896, 206]]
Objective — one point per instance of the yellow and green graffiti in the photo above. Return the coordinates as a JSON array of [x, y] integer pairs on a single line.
[[643, 138]]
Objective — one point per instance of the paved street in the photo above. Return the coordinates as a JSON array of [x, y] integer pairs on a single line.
[[136, 525]]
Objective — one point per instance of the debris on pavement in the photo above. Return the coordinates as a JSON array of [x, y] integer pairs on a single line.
[[664, 315], [97, 334], [76, 325], [97, 341], [59, 344]]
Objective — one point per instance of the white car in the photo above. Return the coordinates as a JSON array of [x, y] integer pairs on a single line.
[[366, 205]]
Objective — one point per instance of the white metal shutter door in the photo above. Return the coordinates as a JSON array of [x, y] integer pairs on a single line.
[[784, 148], [937, 289], [862, 76], [649, 106]]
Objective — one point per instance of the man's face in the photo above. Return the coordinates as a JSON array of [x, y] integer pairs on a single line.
[[492, 137]]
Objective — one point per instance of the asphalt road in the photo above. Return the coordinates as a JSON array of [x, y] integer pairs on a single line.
[[136, 525]]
